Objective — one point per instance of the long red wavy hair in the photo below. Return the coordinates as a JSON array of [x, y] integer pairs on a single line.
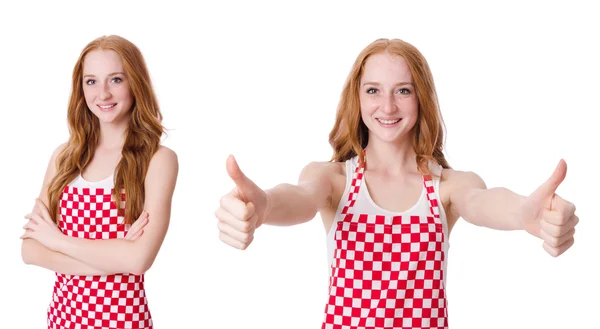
[[350, 135], [142, 139]]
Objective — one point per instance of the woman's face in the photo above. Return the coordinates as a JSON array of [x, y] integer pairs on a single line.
[[389, 106], [105, 86]]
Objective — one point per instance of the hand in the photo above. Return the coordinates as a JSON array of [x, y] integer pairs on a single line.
[[242, 210], [137, 228], [550, 217], [41, 227]]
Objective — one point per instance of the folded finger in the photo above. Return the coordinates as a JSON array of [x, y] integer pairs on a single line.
[[231, 241], [236, 207], [557, 241], [139, 224], [557, 251], [43, 211], [231, 220], [134, 235], [243, 237]]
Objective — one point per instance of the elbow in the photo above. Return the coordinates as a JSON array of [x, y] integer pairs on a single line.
[[140, 266], [27, 255], [138, 270], [137, 260]]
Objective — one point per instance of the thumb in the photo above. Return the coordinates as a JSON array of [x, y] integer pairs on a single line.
[[244, 185], [548, 188]]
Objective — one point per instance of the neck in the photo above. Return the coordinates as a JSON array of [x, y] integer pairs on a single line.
[[112, 135], [391, 158]]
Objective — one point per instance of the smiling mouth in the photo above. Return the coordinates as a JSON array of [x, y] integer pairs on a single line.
[[389, 121], [107, 106]]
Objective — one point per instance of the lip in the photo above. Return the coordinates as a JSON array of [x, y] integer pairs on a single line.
[[103, 107], [388, 125]]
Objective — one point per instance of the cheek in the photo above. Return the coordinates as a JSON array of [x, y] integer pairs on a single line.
[[88, 96], [412, 112], [124, 94], [364, 116], [367, 106], [365, 113], [410, 106]]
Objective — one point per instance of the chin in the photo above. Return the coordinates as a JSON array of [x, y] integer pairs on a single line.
[[392, 138], [110, 117]]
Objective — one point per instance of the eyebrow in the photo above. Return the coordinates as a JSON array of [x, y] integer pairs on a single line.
[[110, 75], [379, 84]]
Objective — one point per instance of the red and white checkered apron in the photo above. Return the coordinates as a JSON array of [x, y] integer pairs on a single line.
[[96, 302], [387, 271]]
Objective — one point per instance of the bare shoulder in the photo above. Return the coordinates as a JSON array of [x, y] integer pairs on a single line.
[[452, 183], [51, 170], [329, 177], [164, 156], [456, 179], [164, 164], [58, 150], [322, 169]]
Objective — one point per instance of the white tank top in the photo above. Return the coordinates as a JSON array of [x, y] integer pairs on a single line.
[[80, 182], [365, 205]]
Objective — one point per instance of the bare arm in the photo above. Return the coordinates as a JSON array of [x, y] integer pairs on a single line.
[[543, 213], [496, 208], [124, 256], [34, 253], [247, 206], [289, 204]]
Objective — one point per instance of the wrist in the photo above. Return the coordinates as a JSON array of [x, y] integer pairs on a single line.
[[268, 206], [61, 244], [527, 219], [522, 213]]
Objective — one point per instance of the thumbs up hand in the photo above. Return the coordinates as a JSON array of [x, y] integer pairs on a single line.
[[242, 210], [550, 217]]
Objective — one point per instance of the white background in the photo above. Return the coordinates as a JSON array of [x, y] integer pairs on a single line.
[[518, 86]]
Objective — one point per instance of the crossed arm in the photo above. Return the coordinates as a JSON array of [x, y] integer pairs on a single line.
[[44, 245]]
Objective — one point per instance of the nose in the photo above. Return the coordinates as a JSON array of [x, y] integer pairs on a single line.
[[105, 92], [388, 104]]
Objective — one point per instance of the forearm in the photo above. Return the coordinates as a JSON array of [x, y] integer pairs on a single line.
[[290, 205], [496, 208], [134, 256], [34, 253], [111, 255]]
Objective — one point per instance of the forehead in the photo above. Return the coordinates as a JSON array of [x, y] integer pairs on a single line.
[[102, 61], [386, 68]]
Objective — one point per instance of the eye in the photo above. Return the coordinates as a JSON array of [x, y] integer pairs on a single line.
[[404, 91], [371, 91], [90, 82], [116, 79]]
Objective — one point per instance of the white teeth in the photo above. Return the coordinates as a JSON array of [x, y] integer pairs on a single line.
[[107, 106], [388, 122]]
